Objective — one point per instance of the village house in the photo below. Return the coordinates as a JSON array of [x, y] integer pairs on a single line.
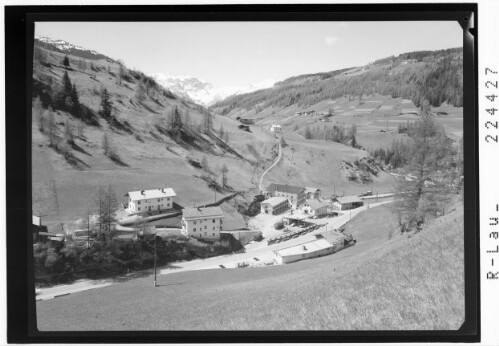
[[203, 223], [312, 193], [295, 194], [156, 200], [347, 202], [275, 205], [275, 128], [313, 207]]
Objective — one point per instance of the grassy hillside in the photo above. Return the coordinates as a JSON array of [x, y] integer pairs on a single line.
[[386, 281], [64, 189], [65, 183], [377, 98]]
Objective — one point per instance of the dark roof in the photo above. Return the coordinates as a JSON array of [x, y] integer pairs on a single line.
[[194, 213], [284, 188]]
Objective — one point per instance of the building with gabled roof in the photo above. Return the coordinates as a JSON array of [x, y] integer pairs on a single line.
[[347, 202], [275, 128], [313, 207], [203, 223], [155, 200], [295, 194], [274, 205]]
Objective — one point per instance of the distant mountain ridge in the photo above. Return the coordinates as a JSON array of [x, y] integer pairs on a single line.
[[69, 48], [435, 76], [205, 93]]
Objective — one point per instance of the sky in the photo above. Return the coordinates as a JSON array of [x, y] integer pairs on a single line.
[[244, 53]]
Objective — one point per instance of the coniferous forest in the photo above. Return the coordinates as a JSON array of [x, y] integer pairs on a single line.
[[435, 76]]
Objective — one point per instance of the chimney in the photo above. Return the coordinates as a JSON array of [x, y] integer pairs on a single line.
[[142, 192]]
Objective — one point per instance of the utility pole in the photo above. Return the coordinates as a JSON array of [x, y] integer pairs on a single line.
[[88, 231], [155, 254]]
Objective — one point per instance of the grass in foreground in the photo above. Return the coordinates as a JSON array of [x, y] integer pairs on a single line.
[[402, 283]]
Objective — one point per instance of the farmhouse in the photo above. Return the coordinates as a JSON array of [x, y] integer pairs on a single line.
[[205, 223], [275, 128], [295, 194], [312, 193], [313, 207], [313, 249], [275, 205], [150, 200], [347, 202]]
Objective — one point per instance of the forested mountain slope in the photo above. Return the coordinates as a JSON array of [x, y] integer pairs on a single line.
[[432, 75]]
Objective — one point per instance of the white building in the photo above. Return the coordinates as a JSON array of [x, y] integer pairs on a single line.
[[274, 205], [205, 223], [295, 194], [313, 207], [347, 202], [313, 249], [275, 129], [156, 200]]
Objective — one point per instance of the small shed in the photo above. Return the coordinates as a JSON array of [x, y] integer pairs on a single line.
[[275, 128]]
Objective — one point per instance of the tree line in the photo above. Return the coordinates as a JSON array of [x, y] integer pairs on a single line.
[[437, 78]]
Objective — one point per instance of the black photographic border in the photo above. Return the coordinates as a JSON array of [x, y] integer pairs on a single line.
[[19, 35]]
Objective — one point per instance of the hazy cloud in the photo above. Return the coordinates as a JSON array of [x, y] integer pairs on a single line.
[[331, 40]]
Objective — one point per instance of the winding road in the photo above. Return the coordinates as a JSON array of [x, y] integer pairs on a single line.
[[256, 251], [260, 185]]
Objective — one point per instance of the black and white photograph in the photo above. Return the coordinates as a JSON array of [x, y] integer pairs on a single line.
[[248, 175]]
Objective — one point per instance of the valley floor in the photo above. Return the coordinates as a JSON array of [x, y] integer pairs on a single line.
[[385, 281]]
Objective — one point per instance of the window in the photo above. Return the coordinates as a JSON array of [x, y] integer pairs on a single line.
[[220, 221], [194, 222], [139, 208], [213, 234], [168, 199], [213, 227], [205, 227], [159, 199], [194, 229], [138, 202], [213, 220]]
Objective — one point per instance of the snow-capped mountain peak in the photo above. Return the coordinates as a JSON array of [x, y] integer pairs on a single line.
[[203, 92]]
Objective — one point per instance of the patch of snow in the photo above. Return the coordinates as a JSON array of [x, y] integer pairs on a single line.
[[203, 92]]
